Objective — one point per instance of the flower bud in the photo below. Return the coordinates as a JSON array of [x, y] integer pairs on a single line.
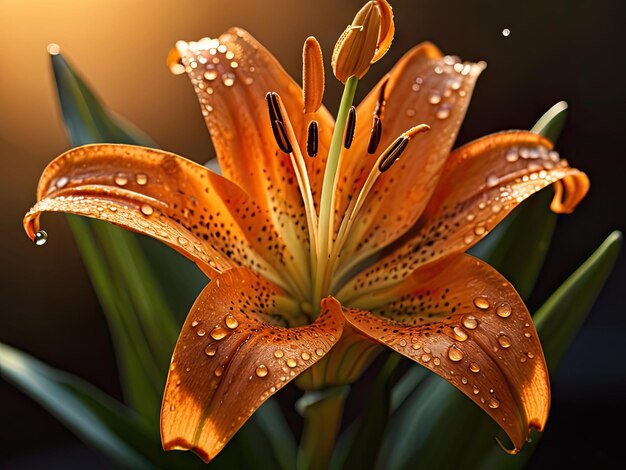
[[365, 41]]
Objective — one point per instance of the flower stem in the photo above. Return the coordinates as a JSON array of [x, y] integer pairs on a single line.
[[327, 200], [322, 412]]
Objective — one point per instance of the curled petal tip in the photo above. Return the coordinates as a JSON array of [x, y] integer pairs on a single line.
[[174, 61], [513, 451]]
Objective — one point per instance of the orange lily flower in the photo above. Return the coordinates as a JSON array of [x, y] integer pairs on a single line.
[[286, 300]]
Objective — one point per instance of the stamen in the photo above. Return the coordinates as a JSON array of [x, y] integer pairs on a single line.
[[285, 131], [350, 128], [383, 163], [392, 153], [381, 102], [280, 134], [377, 124], [312, 75], [312, 140], [277, 122], [375, 134]]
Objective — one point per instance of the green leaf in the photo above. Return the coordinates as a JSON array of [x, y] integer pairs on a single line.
[[518, 246], [143, 327], [370, 430], [91, 414], [552, 122], [86, 120], [559, 320]]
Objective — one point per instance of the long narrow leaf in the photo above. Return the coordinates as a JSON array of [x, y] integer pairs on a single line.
[[87, 411], [558, 321]]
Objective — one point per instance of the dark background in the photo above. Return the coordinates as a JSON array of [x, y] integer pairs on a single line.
[[571, 50]]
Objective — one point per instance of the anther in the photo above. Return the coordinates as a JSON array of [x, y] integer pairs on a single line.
[[392, 153], [277, 122], [375, 135], [380, 103], [377, 124], [312, 139], [350, 128], [280, 134]]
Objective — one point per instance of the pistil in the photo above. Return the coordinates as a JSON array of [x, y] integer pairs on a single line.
[[329, 187]]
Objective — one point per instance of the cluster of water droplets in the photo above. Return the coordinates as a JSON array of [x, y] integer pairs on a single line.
[[284, 360], [209, 64], [462, 333], [443, 98], [537, 162]]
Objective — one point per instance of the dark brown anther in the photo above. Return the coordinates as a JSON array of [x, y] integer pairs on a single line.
[[350, 128], [278, 125], [280, 134], [312, 139], [380, 103], [393, 153], [375, 135]]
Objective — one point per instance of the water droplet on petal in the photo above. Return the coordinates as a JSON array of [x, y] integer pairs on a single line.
[[141, 179], [194, 323], [470, 322], [210, 350], [121, 179], [434, 97], [305, 356], [474, 367], [218, 333], [492, 180], [62, 181], [443, 111], [219, 371], [147, 209], [41, 237], [261, 371], [201, 332], [228, 79], [464, 380], [182, 241], [319, 352], [278, 354], [503, 310], [210, 74], [291, 362], [436, 361], [426, 357], [476, 391], [172, 407], [459, 333], [504, 341], [481, 303], [455, 354], [231, 322]]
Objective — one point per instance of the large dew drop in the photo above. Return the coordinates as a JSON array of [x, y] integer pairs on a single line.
[[41, 238]]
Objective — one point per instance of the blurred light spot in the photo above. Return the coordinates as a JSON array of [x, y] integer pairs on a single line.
[[506, 32]]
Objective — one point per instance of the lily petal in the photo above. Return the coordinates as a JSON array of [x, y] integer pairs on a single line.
[[202, 215], [480, 185], [462, 320], [230, 357], [422, 88], [231, 76]]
